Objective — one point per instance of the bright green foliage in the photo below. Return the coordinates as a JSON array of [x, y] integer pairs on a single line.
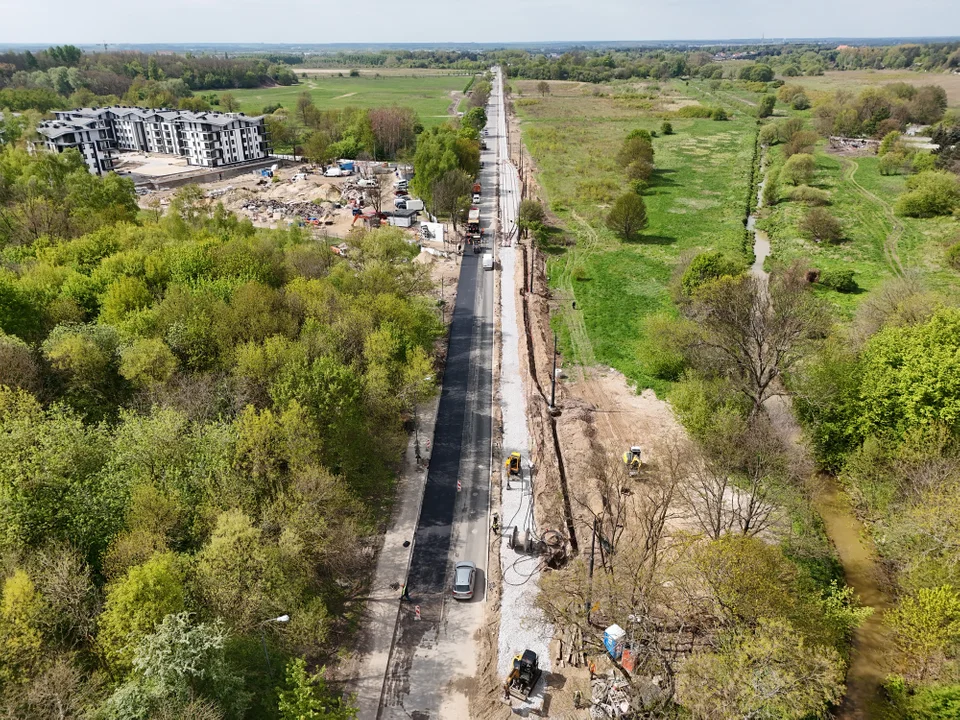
[[147, 362], [137, 603], [799, 169], [438, 151], [666, 127], [765, 672], [306, 697], [20, 639], [757, 72], [926, 626], [911, 375], [766, 105], [705, 267], [939, 702], [953, 256], [476, 118], [839, 280], [122, 297], [175, 666], [86, 363], [930, 193]]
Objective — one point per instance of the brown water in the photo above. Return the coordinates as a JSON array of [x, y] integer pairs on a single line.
[[871, 643]]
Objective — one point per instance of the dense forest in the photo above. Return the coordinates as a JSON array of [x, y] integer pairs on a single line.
[[200, 424], [64, 76]]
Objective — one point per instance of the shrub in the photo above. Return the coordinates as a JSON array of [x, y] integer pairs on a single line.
[[923, 162], [894, 163], [771, 188], [953, 256], [810, 195], [891, 139], [820, 225], [705, 267], [800, 142], [766, 105], [769, 134], [695, 111], [800, 102], [930, 193], [666, 128], [839, 280], [718, 113], [798, 170]]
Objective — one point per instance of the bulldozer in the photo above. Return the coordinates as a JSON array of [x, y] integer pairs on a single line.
[[524, 675], [512, 463], [632, 461]]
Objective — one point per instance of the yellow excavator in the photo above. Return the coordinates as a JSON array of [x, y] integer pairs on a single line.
[[512, 463], [524, 675], [632, 461]]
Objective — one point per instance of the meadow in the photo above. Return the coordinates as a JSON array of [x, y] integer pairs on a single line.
[[429, 94], [696, 200]]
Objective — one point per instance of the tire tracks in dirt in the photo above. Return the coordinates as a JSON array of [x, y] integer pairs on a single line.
[[893, 238]]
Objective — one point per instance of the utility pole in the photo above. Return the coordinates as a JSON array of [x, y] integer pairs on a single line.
[[553, 378], [593, 547]]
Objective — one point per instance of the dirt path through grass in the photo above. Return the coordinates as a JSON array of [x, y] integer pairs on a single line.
[[893, 239]]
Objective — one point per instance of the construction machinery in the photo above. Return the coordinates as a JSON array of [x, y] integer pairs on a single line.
[[524, 675], [473, 225], [632, 461], [512, 463]]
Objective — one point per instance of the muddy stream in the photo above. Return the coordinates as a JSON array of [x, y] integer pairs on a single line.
[[849, 537]]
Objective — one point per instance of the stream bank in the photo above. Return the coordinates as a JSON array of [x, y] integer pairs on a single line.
[[849, 537]]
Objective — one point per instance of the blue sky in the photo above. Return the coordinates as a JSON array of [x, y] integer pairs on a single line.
[[439, 21]]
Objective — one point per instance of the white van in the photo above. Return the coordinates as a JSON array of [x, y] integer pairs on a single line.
[[487, 261]]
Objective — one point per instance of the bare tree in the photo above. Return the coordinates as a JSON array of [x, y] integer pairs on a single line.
[[543, 87], [378, 192], [752, 334], [451, 194]]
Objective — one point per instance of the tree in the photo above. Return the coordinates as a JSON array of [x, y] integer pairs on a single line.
[[628, 216], [798, 169], [147, 362], [177, 665], [666, 127], [931, 193], [394, 129], [475, 118], [306, 697], [766, 105], [137, 603], [636, 148], [750, 334], [451, 194], [543, 87], [765, 672], [532, 215], [706, 267], [800, 142], [377, 191], [229, 102], [317, 148], [18, 368], [925, 626], [771, 188], [820, 225], [800, 101], [20, 639]]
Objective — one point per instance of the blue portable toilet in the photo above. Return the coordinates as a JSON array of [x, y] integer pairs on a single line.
[[613, 638]]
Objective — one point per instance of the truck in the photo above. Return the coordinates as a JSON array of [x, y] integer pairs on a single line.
[[476, 193], [408, 203], [473, 224]]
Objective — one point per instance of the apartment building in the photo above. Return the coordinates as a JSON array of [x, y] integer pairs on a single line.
[[205, 139]]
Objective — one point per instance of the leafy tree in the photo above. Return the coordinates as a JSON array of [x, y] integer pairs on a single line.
[[767, 671], [84, 358], [532, 215], [317, 148], [543, 87], [628, 216], [931, 193], [20, 637], [451, 194], [177, 665], [771, 188], [475, 118], [306, 697], [135, 605], [147, 362], [798, 169], [925, 627], [820, 225], [800, 101], [910, 375], [766, 105], [229, 103]]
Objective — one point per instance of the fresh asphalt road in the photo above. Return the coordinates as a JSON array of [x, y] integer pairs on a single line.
[[429, 654]]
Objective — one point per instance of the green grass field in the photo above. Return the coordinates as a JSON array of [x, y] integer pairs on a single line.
[[861, 198], [429, 95], [696, 201]]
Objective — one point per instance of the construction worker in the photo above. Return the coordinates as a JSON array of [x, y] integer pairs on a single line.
[[406, 593], [496, 524]]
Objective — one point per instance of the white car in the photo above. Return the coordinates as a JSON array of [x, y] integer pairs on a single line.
[[367, 182]]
